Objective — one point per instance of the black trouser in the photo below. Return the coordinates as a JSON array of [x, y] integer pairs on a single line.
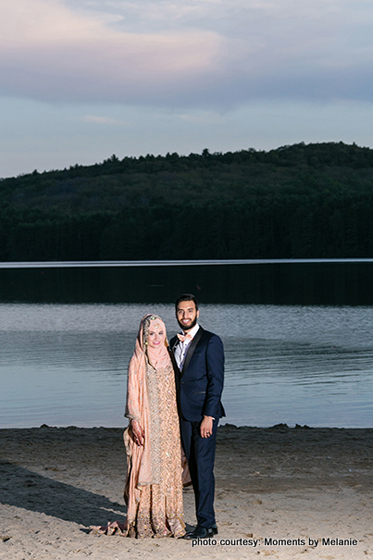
[[200, 454]]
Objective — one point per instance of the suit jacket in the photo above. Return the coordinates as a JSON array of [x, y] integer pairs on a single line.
[[200, 383]]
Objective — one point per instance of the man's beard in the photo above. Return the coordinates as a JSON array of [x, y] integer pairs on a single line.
[[192, 324]]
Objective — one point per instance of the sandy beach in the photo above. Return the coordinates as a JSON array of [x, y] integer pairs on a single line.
[[280, 492]]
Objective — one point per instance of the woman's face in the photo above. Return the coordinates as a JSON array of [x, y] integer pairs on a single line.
[[157, 334]]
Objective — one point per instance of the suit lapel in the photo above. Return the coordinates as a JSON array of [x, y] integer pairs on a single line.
[[191, 349], [173, 343]]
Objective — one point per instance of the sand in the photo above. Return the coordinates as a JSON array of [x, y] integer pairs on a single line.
[[280, 492]]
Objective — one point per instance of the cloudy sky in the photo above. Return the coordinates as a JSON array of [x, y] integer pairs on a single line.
[[81, 80]]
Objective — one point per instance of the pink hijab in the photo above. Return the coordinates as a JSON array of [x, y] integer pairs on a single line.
[[157, 357]]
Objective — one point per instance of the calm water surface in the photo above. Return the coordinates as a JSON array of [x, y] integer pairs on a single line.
[[65, 364]]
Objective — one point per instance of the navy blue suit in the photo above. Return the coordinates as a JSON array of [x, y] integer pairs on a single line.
[[199, 387]]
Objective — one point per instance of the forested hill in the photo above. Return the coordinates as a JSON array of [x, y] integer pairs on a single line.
[[296, 201]]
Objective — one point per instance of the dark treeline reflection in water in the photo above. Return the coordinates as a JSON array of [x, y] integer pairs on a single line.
[[339, 283]]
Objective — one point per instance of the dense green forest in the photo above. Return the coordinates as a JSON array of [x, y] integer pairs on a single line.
[[299, 201]]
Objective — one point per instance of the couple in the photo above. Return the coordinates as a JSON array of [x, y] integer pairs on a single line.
[[160, 413]]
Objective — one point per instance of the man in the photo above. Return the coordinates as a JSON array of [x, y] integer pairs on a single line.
[[199, 365]]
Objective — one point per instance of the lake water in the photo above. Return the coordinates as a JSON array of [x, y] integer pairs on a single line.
[[66, 363]]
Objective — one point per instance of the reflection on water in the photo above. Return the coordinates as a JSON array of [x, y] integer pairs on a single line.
[[296, 283], [66, 364]]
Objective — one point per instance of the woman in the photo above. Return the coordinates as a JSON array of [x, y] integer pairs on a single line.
[[153, 491]]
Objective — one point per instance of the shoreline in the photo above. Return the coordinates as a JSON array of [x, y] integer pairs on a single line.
[[77, 426], [283, 488]]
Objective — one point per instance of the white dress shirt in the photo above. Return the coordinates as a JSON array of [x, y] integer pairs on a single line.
[[182, 347]]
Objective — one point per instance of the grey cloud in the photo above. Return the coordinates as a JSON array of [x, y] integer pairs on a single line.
[[264, 54]]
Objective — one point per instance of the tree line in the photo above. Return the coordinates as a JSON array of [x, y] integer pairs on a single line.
[[300, 201]]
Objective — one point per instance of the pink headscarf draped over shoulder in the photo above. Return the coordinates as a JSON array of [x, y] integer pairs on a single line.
[[144, 362]]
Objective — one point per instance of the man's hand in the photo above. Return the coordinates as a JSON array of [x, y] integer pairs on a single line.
[[206, 426], [138, 432]]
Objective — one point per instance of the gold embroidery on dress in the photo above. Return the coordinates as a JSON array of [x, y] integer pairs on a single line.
[[153, 379], [160, 509]]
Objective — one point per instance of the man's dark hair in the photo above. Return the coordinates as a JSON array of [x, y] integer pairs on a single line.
[[186, 297]]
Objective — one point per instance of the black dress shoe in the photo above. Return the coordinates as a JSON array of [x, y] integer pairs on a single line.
[[214, 529], [201, 533]]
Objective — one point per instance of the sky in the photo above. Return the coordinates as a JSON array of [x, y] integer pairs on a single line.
[[81, 80]]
